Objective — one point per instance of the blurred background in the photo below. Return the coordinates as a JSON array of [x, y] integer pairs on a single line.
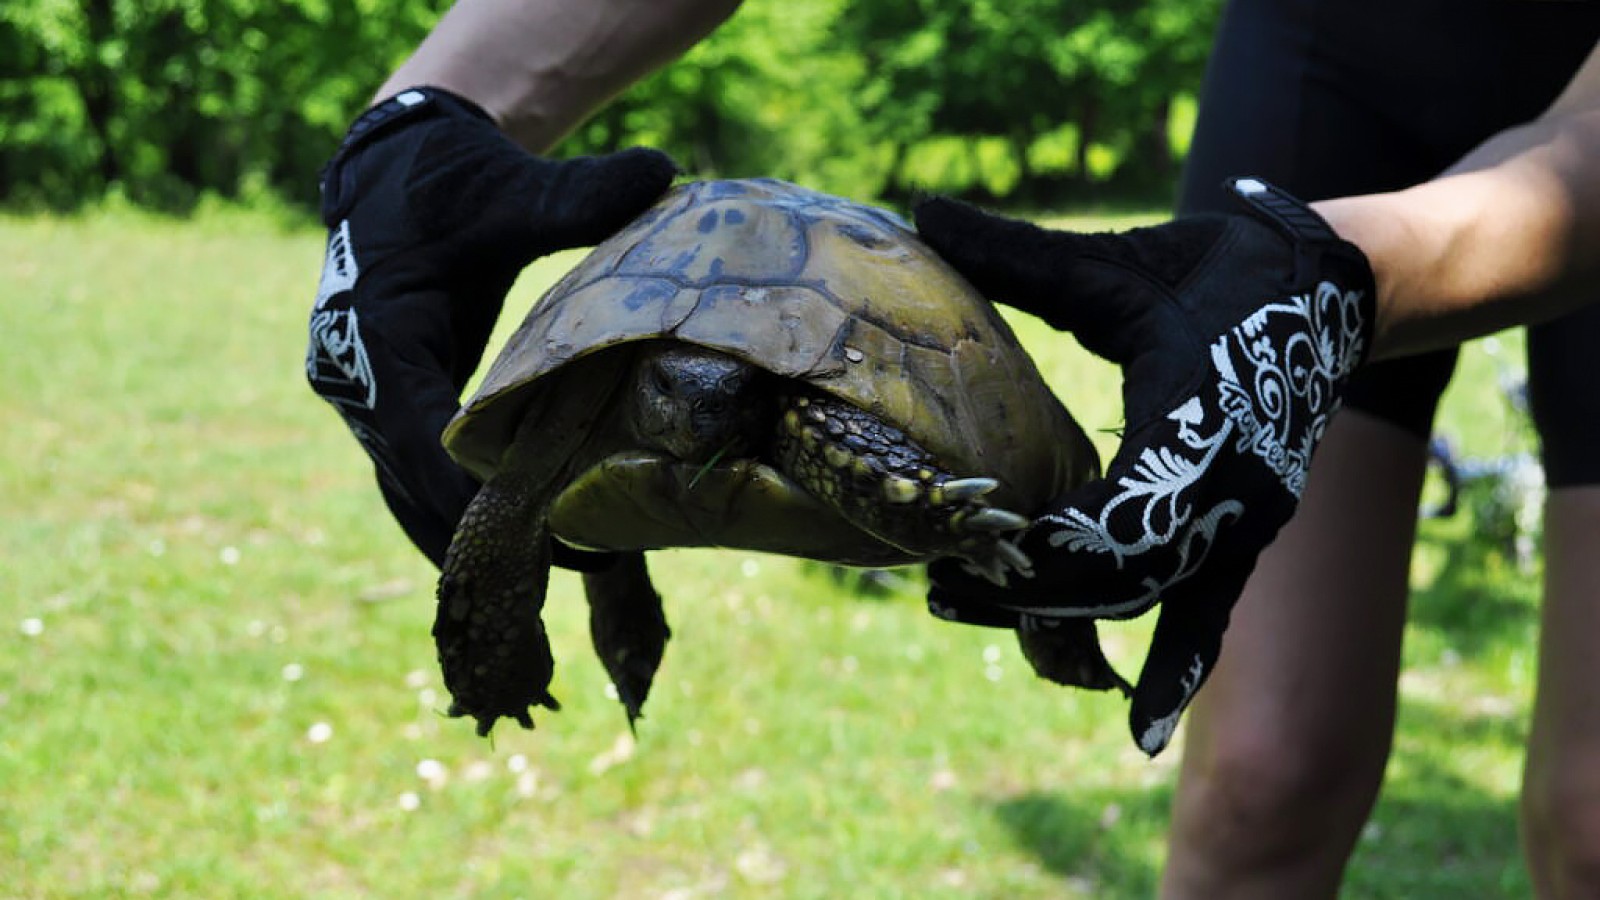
[[216, 675], [1037, 102]]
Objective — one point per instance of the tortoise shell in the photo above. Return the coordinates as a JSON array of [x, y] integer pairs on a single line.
[[834, 294]]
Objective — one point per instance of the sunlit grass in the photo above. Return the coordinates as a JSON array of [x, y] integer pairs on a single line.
[[217, 679]]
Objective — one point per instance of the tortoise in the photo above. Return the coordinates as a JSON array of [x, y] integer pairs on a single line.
[[748, 364]]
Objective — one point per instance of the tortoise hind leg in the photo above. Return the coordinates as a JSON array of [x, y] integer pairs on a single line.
[[886, 484], [628, 627], [1067, 652]]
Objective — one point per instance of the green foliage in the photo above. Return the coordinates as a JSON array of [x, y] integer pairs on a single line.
[[167, 100], [1021, 74]]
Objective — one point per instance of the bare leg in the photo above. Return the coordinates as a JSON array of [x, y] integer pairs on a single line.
[[540, 67], [1561, 783], [1287, 741]]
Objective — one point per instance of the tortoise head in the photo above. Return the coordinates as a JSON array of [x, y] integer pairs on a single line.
[[695, 404]]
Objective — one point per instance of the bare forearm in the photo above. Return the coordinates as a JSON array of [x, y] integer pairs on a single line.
[[540, 67], [1510, 235]]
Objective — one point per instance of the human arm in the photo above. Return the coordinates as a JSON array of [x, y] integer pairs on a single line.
[[433, 211], [1509, 235], [1235, 334], [540, 67]]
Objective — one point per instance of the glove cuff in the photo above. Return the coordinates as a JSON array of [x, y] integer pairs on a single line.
[[1304, 228], [415, 104], [1296, 220]]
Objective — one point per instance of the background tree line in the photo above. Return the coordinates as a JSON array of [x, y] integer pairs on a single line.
[[1029, 102]]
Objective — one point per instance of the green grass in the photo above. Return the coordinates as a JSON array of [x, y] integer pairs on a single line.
[[216, 677]]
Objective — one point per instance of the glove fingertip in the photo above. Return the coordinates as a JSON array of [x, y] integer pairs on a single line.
[[1152, 735], [1010, 261], [964, 234], [650, 168], [1166, 687], [595, 197], [1183, 651], [1160, 699], [935, 214]]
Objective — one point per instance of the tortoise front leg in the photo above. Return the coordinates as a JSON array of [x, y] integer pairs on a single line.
[[882, 481], [628, 627], [492, 645]]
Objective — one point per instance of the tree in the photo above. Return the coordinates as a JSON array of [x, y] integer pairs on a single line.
[[166, 100], [1017, 71]]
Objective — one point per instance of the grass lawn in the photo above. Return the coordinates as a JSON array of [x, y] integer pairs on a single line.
[[216, 677]]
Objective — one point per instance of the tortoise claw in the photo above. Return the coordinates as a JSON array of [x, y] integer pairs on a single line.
[[486, 722], [1014, 558], [633, 678], [995, 521], [522, 716], [958, 491], [632, 704], [995, 560], [989, 568]]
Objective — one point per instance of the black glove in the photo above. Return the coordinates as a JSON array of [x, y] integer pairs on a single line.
[[432, 213], [1235, 335]]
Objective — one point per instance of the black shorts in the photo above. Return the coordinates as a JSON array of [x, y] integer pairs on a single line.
[[1332, 97]]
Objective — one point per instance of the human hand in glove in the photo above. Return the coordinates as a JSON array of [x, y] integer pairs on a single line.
[[432, 213], [1235, 335]]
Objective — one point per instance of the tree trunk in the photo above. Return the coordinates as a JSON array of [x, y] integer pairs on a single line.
[[1088, 124], [1152, 151], [1026, 188], [97, 87]]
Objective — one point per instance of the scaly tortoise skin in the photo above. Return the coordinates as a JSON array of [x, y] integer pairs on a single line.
[[749, 364]]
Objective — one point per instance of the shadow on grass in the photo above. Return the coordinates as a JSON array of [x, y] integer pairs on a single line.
[[1106, 842], [1424, 843], [1437, 830]]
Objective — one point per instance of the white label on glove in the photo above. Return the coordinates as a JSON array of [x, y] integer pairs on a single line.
[[337, 364], [1278, 377], [1152, 511], [1280, 371], [1153, 739], [339, 269], [336, 359]]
